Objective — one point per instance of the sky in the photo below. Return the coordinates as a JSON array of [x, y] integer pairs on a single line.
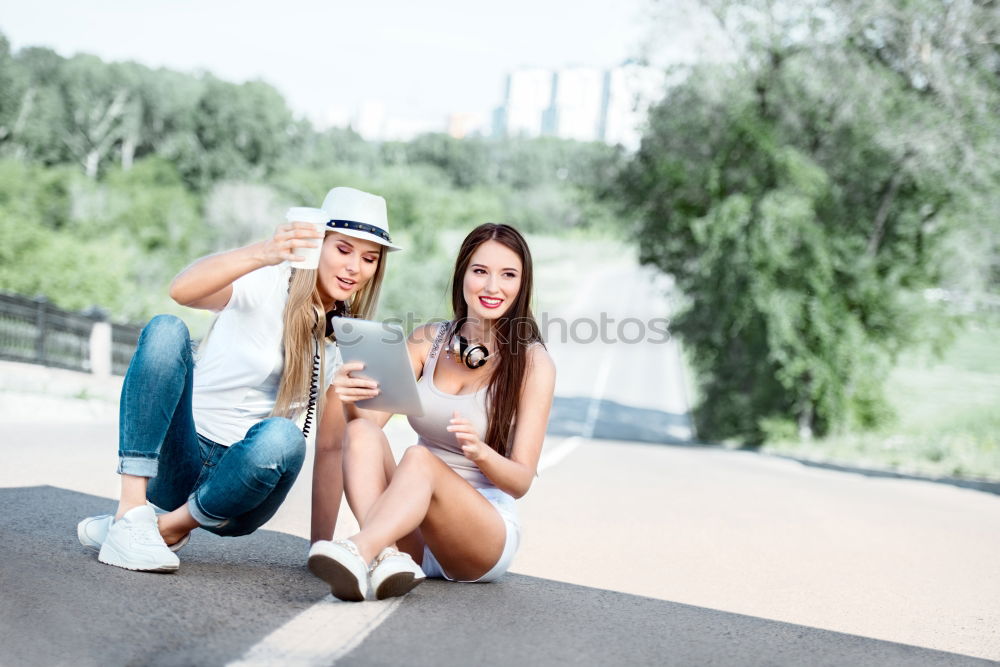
[[421, 60]]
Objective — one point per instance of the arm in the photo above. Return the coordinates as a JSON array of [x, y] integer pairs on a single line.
[[208, 282], [351, 388], [514, 475], [328, 472]]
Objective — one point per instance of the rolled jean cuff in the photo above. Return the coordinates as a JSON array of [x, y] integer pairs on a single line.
[[203, 519], [140, 466]]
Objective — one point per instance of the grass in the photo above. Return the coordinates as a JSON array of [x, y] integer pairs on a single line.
[[948, 414]]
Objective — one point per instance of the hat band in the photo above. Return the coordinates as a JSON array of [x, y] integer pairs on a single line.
[[359, 227]]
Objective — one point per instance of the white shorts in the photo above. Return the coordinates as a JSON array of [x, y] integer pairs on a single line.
[[505, 505]]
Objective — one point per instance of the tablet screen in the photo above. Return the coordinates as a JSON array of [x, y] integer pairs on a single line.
[[381, 347]]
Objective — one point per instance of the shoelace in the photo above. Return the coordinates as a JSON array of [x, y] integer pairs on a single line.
[[145, 533], [388, 552], [352, 547]]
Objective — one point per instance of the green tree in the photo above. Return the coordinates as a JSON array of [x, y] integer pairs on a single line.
[[98, 102], [334, 146], [39, 124], [799, 198], [242, 131], [466, 162], [11, 92], [40, 254]]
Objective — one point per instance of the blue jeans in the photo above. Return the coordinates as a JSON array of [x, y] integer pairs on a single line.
[[230, 490]]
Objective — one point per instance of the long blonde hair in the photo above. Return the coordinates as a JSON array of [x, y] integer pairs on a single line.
[[304, 325]]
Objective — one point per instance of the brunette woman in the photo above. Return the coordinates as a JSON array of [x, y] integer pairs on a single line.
[[486, 383]]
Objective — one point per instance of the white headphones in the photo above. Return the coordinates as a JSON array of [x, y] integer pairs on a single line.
[[472, 356]]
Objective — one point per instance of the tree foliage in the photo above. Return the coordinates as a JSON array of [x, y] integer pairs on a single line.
[[801, 197], [55, 110], [154, 167]]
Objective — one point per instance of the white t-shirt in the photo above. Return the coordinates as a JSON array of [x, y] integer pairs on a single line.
[[239, 367]]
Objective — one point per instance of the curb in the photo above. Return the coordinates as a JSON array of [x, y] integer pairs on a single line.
[[985, 485], [974, 483]]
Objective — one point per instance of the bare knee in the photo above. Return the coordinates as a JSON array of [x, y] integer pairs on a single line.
[[362, 428], [419, 457], [363, 437]]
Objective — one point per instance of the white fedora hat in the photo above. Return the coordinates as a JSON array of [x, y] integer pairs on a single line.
[[358, 214]]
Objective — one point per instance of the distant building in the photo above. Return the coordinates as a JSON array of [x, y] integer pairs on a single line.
[[528, 95], [577, 100], [373, 124], [404, 129], [369, 121], [499, 123], [333, 116], [582, 103], [629, 91], [467, 124]]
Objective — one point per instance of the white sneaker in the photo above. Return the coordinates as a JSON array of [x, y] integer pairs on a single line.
[[394, 573], [134, 543], [339, 563], [94, 529]]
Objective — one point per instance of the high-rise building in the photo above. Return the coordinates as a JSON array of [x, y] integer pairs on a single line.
[[582, 103], [629, 91], [528, 95], [577, 98]]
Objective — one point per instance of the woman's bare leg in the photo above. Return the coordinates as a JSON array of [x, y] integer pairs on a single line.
[[327, 490], [133, 494], [175, 525], [368, 466], [328, 470], [367, 475], [462, 528]]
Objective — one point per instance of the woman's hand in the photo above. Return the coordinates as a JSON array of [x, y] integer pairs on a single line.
[[353, 389], [286, 239], [473, 448]]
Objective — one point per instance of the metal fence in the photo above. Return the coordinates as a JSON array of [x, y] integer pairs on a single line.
[[34, 331], [123, 341]]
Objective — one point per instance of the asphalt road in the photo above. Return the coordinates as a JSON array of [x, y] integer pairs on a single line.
[[683, 556], [619, 372], [656, 553]]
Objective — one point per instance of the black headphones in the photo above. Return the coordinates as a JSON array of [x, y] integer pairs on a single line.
[[473, 356]]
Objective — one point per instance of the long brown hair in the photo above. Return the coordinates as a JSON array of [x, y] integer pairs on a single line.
[[305, 327], [515, 331]]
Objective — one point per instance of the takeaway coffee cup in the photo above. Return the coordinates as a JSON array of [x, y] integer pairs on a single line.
[[308, 257]]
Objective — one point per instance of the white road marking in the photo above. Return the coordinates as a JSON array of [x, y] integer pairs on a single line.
[[564, 449], [320, 635], [595, 399]]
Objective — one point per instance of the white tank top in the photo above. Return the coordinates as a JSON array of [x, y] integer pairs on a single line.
[[438, 406]]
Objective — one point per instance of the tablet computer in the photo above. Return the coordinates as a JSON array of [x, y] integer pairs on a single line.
[[381, 347]]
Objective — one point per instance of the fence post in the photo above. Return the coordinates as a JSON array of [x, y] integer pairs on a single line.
[[100, 343], [41, 324]]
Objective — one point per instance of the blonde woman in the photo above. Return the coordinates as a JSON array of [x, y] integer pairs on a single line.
[[212, 443]]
